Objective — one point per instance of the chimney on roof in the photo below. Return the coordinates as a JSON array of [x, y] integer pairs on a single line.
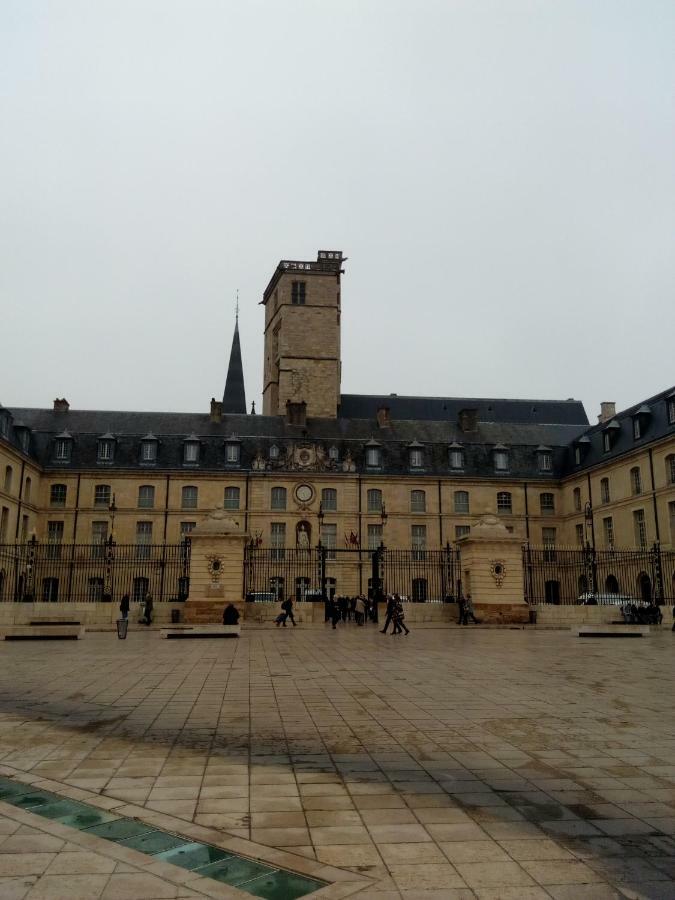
[[468, 420], [607, 411], [216, 414], [383, 417], [296, 413], [61, 405]]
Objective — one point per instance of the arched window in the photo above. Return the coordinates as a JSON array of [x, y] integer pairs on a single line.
[[547, 504], [461, 501], [504, 502], [274, 452], [611, 585], [635, 480], [140, 589], [604, 490], [333, 454], [329, 499], [576, 495], [500, 456], [232, 498], [374, 498], [278, 499], [189, 497], [418, 501], [28, 486], [670, 469], [146, 496], [645, 587], [8, 479]]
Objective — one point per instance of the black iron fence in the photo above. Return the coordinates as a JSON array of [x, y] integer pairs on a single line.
[[90, 573], [583, 574], [421, 576]]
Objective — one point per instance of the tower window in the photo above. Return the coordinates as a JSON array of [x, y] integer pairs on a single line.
[[298, 293]]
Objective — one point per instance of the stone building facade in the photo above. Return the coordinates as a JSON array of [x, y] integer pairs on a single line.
[[351, 470]]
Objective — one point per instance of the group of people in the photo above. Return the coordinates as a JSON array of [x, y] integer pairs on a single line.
[[466, 611], [146, 614], [348, 609]]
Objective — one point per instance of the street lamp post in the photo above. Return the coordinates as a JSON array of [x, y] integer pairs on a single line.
[[591, 566], [322, 555], [112, 509]]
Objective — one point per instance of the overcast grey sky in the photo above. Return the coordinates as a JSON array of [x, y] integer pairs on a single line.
[[500, 174]]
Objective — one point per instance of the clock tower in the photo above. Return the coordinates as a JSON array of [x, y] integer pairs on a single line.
[[302, 336]]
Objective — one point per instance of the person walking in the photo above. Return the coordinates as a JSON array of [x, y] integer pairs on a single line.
[[391, 605], [124, 606], [148, 609], [361, 610], [287, 607], [399, 618], [461, 603], [468, 611], [334, 612]]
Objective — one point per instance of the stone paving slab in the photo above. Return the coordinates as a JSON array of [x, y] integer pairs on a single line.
[[454, 763]]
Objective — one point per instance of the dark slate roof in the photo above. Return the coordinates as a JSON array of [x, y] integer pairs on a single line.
[[561, 412], [234, 397], [654, 425]]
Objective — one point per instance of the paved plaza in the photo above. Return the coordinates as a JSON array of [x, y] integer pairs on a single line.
[[453, 763]]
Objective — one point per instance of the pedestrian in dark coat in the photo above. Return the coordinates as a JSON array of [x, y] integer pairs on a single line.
[[399, 617], [391, 605], [230, 615], [124, 606], [148, 609], [468, 611], [461, 603], [287, 607]]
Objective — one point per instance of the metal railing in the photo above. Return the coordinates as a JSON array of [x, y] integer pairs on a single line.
[[565, 575], [91, 573], [423, 576]]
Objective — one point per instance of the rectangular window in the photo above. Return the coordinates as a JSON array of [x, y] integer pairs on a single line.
[[604, 490], [105, 451], [670, 469], [635, 481], [418, 540], [278, 499], [329, 539], [329, 499], [456, 459], [189, 496], [547, 504], [671, 517], [418, 501], [146, 496], [416, 459], [374, 536], [636, 429], [231, 498], [373, 457], [374, 501], [579, 529], [501, 459], [671, 412], [24, 530], [298, 293], [548, 536], [54, 539], [577, 498], [62, 450], [143, 539], [102, 496], [99, 535], [608, 532], [186, 528], [462, 531], [640, 528], [545, 462], [606, 442], [149, 451], [462, 502], [577, 456], [57, 495], [191, 452], [4, 524], [278, 539], [504, 502]]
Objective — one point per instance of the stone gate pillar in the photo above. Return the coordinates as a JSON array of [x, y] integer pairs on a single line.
[[216, 568], [492, 572]]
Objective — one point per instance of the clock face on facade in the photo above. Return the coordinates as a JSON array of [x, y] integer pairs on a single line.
[[304, 493]]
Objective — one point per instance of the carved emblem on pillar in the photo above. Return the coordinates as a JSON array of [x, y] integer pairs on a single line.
[[498, 571]]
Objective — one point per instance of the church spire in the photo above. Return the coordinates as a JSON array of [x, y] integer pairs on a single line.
[[234, 398]]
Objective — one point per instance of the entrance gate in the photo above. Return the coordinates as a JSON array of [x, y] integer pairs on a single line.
[[419, 576]]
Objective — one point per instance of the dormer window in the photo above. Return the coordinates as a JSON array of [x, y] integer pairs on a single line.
[[149, 449], [4, 423], [577, 455], [456, 457], [63, 446], [274, 452], [232, 451], [416, 456], [333, 454], [671, 410], [609, 435], [373, 455], [545, 459], [641, 421], [191, 450], [500, 456], [105, 450]]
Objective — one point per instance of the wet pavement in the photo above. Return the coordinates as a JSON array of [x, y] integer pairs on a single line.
[[447, 764]]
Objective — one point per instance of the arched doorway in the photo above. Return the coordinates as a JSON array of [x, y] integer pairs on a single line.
[[583, 584], [611, 584], [644, 586]]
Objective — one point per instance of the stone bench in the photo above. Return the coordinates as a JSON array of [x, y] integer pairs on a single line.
[[611, 631], [52, 631], [201, 631]]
